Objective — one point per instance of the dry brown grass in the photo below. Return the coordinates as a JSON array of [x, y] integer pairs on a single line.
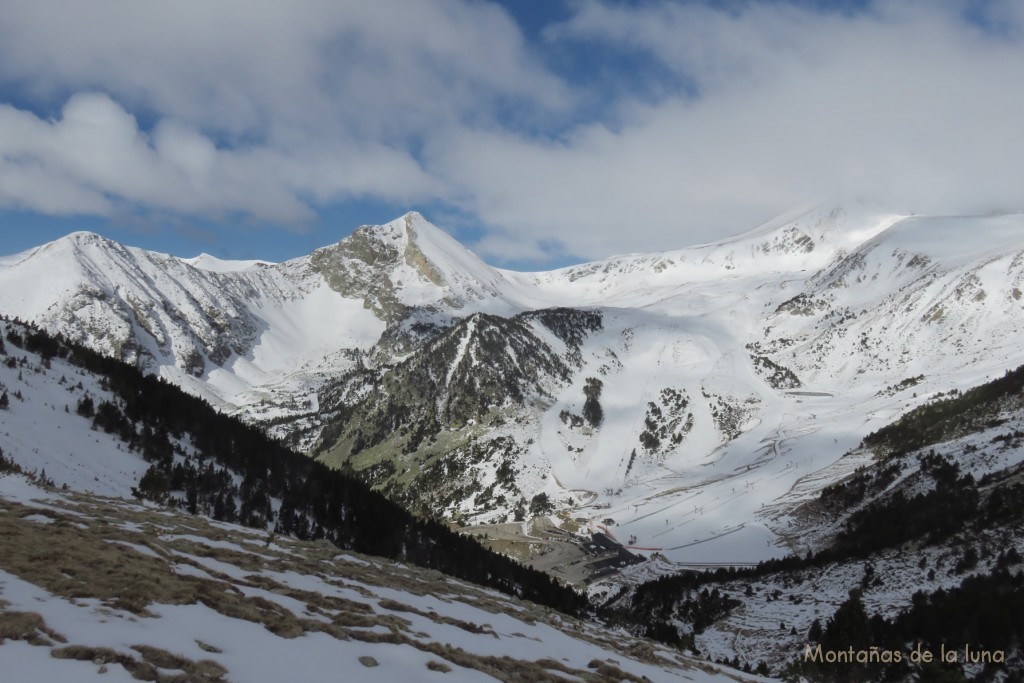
[[77, 563], [101, 656], [73, 562], [206, 647], [395, 606], [153, 665], [27, 626], [203, 670]]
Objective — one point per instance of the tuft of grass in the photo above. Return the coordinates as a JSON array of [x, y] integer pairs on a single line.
[[102, 656], [154, 660], [27, 626], [203, 670]]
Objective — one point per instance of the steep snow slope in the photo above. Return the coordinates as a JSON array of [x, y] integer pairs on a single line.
[[927, 291]]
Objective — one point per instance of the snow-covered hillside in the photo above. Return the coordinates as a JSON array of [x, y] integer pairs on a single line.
[[926, 538], [731, 378]]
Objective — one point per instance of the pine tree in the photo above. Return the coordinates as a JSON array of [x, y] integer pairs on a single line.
[[592, 411], [814, 634], [5, 402], [849, 626], [86, 407]]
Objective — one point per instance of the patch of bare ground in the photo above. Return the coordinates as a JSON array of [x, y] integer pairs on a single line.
[[27, 626], [155, 664]]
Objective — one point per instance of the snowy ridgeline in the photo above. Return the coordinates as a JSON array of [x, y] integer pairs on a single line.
[[103, 588]]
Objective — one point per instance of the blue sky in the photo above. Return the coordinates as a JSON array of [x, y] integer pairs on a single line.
[[539, 133]]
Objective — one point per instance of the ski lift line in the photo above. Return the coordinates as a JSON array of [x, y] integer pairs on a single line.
[[671, 529], [716, 564], [670, 505], [709, 538], [724, 501], [784, 473]]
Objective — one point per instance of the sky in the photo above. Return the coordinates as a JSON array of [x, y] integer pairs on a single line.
[[538, 132]]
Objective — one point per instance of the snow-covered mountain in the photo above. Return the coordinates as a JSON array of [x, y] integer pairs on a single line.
[[253, 338], [682, 395]]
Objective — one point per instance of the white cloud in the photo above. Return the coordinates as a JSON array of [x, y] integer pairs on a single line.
[[253, 107], [378, 68], [274, 110], [96, 155], [907, 103]]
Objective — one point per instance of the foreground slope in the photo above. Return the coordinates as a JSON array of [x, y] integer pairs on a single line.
[[103, 588]]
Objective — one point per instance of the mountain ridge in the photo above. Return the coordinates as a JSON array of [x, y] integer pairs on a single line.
[[744, 366]]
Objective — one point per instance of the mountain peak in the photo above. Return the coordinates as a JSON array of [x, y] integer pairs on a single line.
[[411, 226], [70, 246], [82, 238], [829, 224], [413, 217], [407, 262]]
